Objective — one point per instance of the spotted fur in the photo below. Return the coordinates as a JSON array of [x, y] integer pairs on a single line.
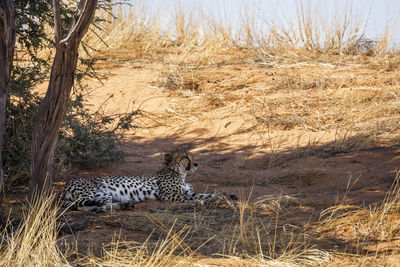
[[167, 184]]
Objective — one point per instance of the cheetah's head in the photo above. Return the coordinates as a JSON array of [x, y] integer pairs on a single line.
[[180, 160]]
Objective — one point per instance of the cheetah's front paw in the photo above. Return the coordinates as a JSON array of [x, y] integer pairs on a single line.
[[231, 196]]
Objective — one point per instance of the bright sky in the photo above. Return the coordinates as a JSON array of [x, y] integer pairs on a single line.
[[375, 15]]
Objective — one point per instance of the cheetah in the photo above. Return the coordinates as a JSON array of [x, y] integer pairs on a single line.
[[168, 184]]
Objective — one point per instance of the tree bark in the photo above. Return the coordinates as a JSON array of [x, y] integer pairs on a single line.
[[52, 108], [7, 46]]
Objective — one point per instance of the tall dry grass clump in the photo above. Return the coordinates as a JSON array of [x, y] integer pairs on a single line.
[[170, 251], [129, 27], [364, 226], [312, 30], [271, 241], [34, 242], [147, 34]]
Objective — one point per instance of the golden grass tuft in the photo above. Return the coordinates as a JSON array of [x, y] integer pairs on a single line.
[[171, 251], [34, 242], [365, 227]]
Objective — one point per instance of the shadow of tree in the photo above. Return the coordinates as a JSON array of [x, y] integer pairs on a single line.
[[320, 174]]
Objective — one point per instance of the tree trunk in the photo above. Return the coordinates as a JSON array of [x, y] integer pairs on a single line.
[[7, 45], [53, 107]]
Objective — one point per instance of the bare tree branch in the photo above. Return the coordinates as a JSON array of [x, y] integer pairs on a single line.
[[57, 22], [81, 22]]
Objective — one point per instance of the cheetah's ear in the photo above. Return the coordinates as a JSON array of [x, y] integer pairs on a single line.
[[184, 147], [167, 158]]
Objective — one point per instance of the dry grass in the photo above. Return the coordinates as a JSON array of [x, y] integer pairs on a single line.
[[171, 251], [378, 222], [34, 242], [352, 111], [371, 233], [254, 232], [200, 36], [192, 37], [182, 79], [187, 235], [246, 235]]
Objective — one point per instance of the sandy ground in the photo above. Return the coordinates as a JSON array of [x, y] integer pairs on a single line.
[[232, 156]]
